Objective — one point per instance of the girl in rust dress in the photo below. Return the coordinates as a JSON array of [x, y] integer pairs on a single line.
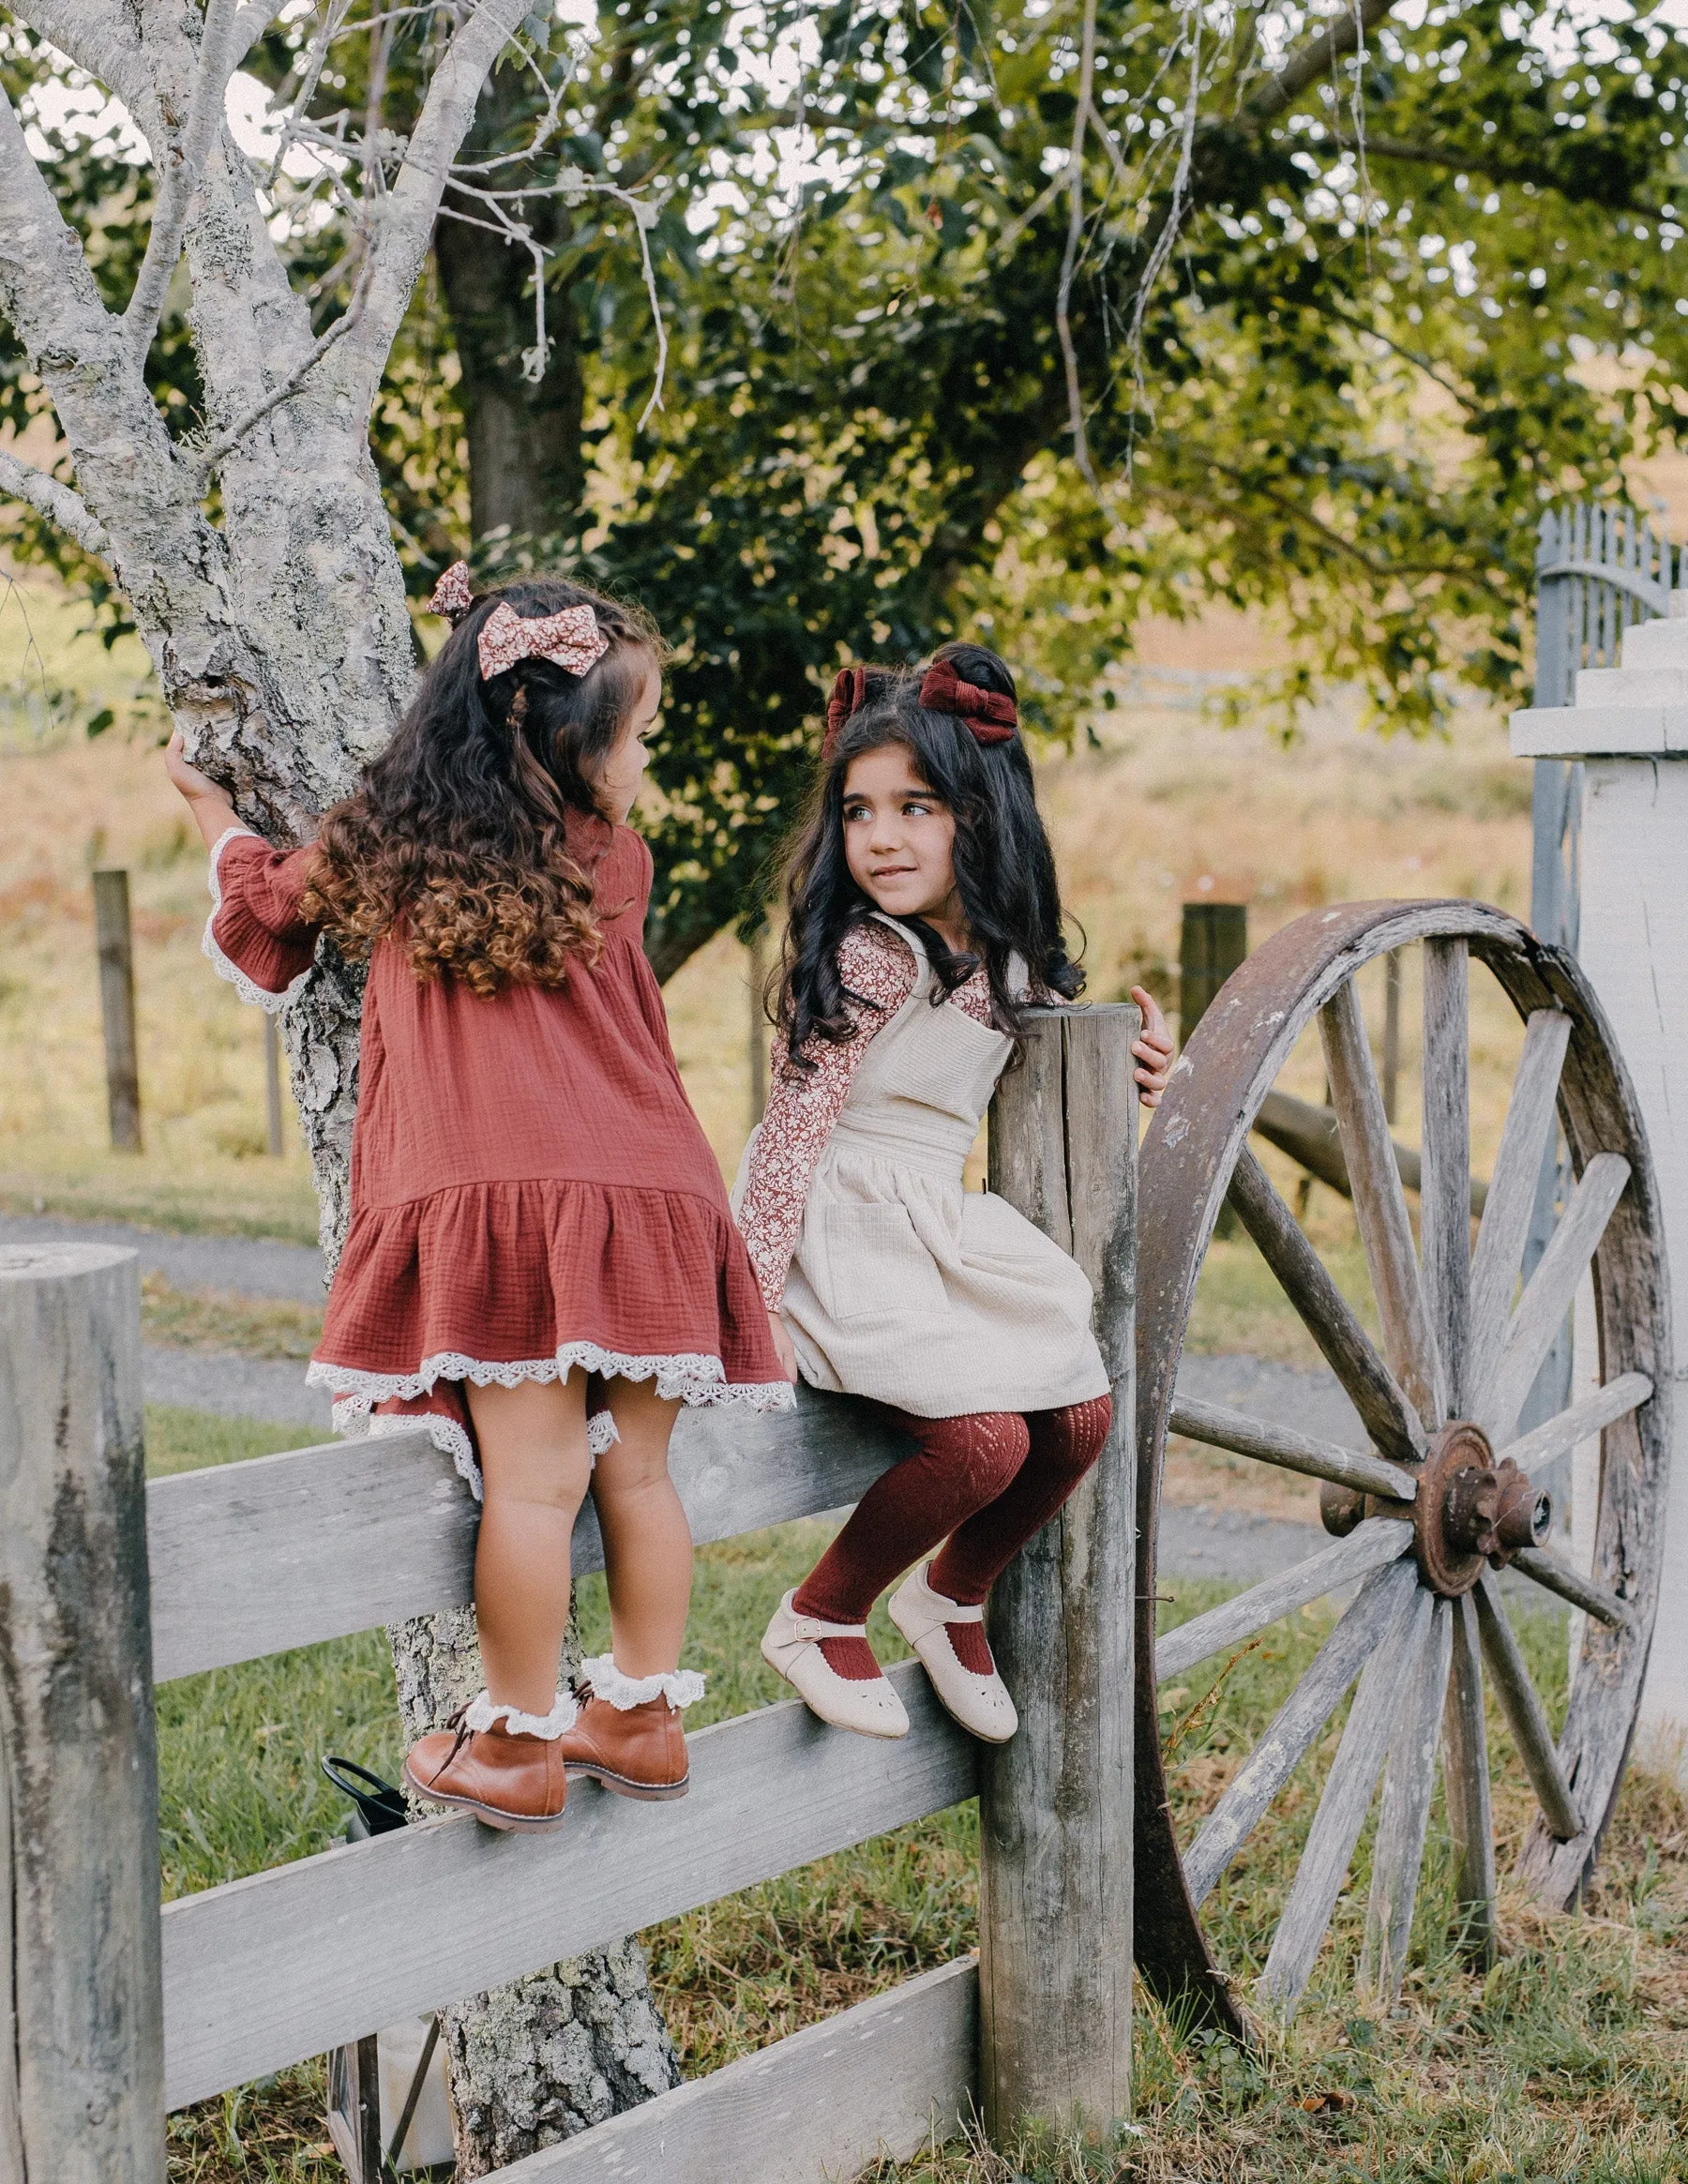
[[540, 1263]]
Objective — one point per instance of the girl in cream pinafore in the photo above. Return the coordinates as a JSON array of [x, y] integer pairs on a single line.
[[907, 1287]]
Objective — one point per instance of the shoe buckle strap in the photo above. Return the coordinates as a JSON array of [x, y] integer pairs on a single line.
[[808, 1626], [955, 1613]]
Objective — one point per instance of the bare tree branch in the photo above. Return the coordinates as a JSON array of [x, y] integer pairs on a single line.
[[64, 508], [1083, 116], [1316, 58], [47, 293], [408, 212], [179, 171], [104, 41]]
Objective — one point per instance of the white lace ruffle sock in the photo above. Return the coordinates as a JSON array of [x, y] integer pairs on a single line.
[[480, 1713], [681, 1687]]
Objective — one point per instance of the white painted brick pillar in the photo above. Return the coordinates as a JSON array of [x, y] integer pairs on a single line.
[[1630, 728]]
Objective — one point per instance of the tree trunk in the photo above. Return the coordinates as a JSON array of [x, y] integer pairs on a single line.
[[544, 2057], [526, 465]]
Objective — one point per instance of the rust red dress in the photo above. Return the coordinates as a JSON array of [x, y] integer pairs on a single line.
[[531, 1191]]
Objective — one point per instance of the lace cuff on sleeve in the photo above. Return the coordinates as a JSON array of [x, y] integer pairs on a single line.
[[255, 936]]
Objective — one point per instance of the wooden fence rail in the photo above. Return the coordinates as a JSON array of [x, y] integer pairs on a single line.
[[255, 1558]]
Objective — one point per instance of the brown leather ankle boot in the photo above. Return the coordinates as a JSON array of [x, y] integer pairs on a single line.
[[638, 1751], [508, 1779]]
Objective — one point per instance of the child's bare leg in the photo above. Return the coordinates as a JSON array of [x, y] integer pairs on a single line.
[[647, 1541], [536, 1468]]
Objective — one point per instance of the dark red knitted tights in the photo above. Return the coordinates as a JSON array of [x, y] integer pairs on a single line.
[[984, 1483]]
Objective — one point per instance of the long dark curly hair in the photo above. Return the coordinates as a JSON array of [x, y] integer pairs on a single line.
[[455, 843], [1005, 867]]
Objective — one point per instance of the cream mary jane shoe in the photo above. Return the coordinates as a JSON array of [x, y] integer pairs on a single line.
[[791, 1644], [980, 1703]]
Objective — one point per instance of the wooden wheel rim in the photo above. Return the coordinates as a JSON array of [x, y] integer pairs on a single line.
[[1189, 1154]]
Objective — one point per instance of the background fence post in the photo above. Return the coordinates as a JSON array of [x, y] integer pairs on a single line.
[[81, 2048], [116, 948], [1055, 1808], [271, 1087]]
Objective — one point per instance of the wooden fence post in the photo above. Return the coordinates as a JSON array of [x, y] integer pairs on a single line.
[[115, 943], [81, 2048], [1055, 1808], [1211, 942], [271, 1087]]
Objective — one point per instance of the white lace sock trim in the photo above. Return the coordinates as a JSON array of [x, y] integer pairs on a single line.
[[248, 990], [681, 1687], [356, 1420], [691, 1376], [480, 1713]]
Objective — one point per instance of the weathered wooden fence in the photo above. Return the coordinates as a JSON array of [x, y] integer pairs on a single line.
[[111, 2013]]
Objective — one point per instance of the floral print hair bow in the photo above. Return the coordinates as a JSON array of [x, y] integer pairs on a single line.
[[453, 595], [572, 638]]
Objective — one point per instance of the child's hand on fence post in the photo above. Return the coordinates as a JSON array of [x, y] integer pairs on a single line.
[[211, 807], [1152, 1047]]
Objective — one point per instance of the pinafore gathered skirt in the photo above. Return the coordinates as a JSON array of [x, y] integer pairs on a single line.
[[905, 1285]]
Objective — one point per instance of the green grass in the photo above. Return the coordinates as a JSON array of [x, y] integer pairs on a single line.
[[1568, 2061], [188, 1440]]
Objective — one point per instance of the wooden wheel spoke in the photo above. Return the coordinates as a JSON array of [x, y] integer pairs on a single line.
[[1409, 1779], [1445, 1165], [1524, 1711], [1547, 1570], [1221, 1428], [1560, 1435], [1329, 1318], [1379, 1539], [1370, 1618], [1347, 1799], [1548, 1295], [1525, 1138], [1380, 1204], [1466, 1785]]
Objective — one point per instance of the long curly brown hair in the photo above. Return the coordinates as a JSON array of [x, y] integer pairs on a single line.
[[455, 843]]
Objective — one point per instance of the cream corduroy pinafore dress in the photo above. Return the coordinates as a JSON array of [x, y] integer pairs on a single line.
[[906, 1286]]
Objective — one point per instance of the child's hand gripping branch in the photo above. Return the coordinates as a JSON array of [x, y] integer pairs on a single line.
[[924, 916], [540, 1265]]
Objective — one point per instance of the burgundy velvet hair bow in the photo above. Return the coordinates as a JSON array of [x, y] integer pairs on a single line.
[[849, 690], [991, 716]]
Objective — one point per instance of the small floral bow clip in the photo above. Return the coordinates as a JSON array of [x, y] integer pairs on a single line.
[[453, 595], [572, 640]]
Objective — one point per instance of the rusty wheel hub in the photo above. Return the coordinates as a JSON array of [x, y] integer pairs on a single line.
[[1471, 1511]]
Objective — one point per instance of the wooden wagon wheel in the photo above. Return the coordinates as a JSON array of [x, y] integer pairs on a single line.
[[1442, 1496]]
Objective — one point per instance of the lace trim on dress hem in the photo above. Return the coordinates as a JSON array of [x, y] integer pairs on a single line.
[[354, 1418], [480, 1714], [692, 1376], [681, 1687], [246, 988]]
